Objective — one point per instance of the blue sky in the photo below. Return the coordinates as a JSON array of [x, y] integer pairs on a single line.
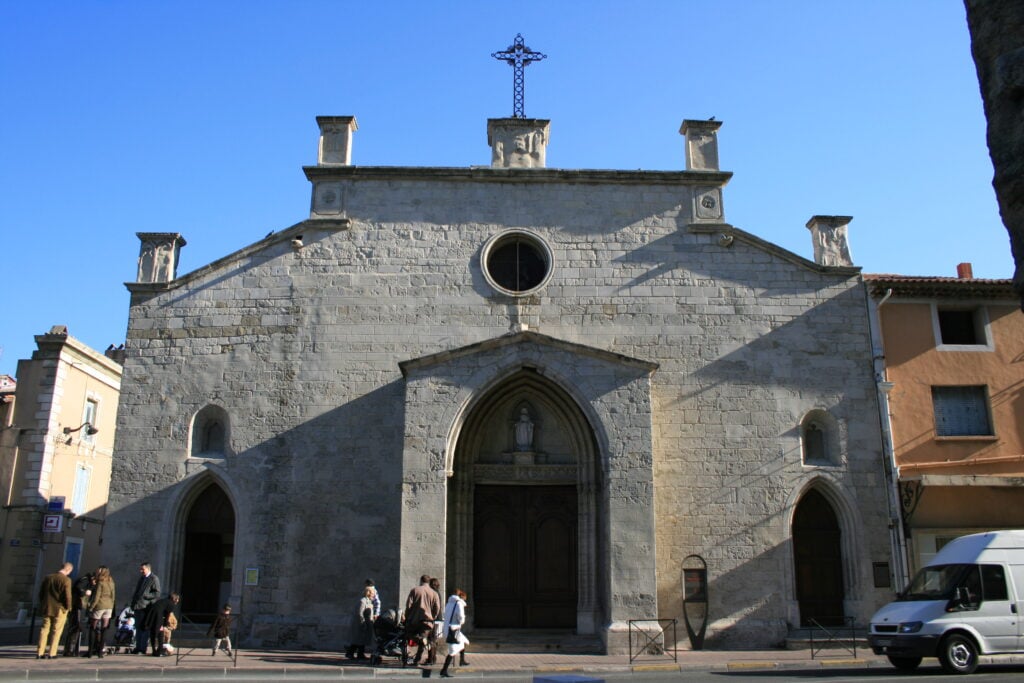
[[196, 117]]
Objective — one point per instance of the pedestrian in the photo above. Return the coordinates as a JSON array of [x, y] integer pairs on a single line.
[[362, 626], [81, 592], [454, 620], [376, 598], [54, 603], [220, 630], [100, 610], [158, 616], [147, 592], [435, 633], [422, 609]]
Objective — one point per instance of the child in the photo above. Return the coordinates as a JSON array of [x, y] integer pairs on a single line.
[[220, 629]]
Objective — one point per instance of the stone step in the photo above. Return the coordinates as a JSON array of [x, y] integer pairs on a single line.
[[533, 641]]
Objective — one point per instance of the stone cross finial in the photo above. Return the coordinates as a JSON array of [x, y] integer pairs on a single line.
[[831, 244]]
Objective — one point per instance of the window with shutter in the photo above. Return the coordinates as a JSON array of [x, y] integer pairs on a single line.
[[961, 411]]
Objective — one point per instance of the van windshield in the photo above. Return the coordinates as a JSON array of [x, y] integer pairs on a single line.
[[936, 582]]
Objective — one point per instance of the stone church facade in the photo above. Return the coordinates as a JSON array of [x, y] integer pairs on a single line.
[[547, 387]]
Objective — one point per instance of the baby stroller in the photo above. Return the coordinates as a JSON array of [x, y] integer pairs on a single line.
[[390, 638], [124, 636]]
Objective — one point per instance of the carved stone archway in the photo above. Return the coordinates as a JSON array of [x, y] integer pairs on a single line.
[[542, 467]]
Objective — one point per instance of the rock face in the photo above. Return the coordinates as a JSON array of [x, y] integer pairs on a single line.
[[997, 43]]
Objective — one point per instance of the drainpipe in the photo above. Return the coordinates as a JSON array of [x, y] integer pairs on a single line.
[[897, 539]]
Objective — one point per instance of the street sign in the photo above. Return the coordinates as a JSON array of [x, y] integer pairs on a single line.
[[56, 504], [53, 524]]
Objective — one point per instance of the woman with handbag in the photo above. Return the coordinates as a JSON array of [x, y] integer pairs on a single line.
[[454, 618]]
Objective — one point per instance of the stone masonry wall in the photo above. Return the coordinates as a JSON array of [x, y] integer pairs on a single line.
[[301, 348]]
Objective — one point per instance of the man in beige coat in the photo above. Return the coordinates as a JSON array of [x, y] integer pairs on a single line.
[[54, 603]]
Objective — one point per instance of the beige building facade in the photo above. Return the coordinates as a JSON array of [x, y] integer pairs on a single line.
[[953, 381], [55, 460]]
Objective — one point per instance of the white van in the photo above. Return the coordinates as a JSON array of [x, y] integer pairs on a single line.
[[966, 602]]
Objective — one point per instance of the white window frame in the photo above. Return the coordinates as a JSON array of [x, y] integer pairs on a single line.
[[93, 401], [79, 497], [981, 324]]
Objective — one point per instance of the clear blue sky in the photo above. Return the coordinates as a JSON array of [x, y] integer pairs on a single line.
[[196, 117]]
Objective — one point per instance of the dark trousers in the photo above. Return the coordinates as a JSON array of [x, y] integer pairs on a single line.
[[141, 633]]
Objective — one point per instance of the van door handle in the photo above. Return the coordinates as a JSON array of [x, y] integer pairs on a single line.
[[1013, 607]]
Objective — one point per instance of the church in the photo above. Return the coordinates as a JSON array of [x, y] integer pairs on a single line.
[[551, 388]]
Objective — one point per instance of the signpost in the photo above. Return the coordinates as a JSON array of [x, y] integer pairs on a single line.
[[695, 599]]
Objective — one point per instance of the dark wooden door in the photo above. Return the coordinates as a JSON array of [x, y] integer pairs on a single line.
[[817, 554], [524, 556]]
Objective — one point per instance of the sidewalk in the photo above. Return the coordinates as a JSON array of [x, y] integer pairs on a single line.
[[18, 662]]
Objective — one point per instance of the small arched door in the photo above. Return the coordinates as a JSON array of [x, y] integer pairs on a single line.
[[208, 554], [817, 555]]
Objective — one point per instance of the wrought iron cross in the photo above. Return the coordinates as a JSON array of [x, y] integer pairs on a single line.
[[517, 55]]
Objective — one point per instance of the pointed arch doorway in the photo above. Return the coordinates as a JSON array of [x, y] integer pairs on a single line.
[[208, 553], [522, 504], [818, 559]]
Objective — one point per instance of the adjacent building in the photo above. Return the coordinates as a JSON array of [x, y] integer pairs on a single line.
[[57, 440], [953, 378], [548, 387]]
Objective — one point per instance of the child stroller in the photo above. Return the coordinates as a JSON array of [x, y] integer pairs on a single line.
[[390, 638], [124, 636]]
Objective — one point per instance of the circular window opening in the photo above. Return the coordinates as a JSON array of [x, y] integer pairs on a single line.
[[517, 262]]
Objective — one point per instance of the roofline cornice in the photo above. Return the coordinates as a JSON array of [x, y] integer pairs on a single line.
[[487, 174]]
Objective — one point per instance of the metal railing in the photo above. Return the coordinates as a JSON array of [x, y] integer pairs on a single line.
[[842, 636], [652, 637]]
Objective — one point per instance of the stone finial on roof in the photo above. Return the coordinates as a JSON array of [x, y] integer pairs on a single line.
[[701, 144], [158, 256], [518, 143], [335, 148], [831, 245]]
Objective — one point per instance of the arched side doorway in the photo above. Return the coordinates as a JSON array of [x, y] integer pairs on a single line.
[[207, 553], [818, 561], [522, 521]]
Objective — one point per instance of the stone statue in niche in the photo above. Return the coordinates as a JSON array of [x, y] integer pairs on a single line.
[[523, 430]]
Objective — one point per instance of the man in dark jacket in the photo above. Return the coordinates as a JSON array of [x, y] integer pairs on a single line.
[[54, 603], [147, 592], [157, 616]]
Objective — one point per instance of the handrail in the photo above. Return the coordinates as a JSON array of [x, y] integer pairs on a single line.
[[652, 640], [834, 636]]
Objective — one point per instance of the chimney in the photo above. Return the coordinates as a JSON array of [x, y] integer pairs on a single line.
[[964, 271], [518, 143], [701, 144], [158, 256], [335, 148], [831, 246]]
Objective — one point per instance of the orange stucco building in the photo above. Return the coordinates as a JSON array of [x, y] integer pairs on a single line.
[[950, 362]]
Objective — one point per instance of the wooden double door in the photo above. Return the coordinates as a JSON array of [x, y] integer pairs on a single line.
[[524, 556]]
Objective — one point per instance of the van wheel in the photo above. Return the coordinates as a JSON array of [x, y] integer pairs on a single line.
[[958, 654], [905, 663]]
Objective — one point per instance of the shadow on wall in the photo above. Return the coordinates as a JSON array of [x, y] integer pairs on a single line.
[[318, 510], [755, 609]]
